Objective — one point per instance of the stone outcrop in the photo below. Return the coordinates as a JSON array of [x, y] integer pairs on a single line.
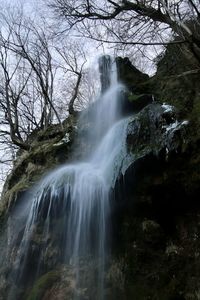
[[49, 148], [130, 75], [157, 211], [156, 245]]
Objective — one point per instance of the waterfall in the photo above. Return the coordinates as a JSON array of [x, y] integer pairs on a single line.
[[77, 196]]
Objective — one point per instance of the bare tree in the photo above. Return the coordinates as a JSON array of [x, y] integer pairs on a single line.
[[33, 45], [41, 81], [30, 68], [73, 59], [137, 22], [11, 90], [27, 61]]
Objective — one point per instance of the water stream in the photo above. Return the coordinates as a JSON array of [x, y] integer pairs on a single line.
[[78, 195]]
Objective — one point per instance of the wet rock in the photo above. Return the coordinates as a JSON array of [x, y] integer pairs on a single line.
[[152, 231], [137, 102], [158, 233], [43, 284], [130, 75], [134, 97], [157, 131], [49, 148], [172, 249]]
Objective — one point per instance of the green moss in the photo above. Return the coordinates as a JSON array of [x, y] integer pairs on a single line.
[[11, 195], [134, 97], [43, 284], [137, 291], [195, 116]]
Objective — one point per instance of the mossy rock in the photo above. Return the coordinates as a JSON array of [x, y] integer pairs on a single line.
[[49, 148], [138, 102], [43, 284], [176, 82], [175, 59]]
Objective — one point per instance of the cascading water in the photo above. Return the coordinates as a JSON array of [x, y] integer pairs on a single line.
[[78, 197]]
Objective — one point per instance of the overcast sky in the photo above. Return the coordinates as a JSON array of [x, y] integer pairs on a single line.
[[30, 3], [30, 6]]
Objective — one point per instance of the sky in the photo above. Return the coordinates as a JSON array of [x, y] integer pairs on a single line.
[[28, 3]]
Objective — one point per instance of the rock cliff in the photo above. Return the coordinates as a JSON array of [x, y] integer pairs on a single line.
[[156, 215]]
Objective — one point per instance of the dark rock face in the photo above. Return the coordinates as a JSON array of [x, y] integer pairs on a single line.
[[136, 103], [157, 214], [155, 129], [130, 75], [177, 83], [135, 96]]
